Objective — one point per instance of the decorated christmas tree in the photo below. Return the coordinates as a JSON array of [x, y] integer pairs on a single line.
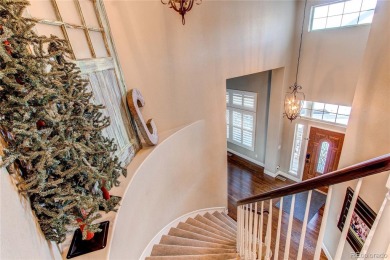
[[55, 146]]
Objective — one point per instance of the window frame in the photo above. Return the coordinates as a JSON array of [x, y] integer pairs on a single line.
[[310, 111], [312, 9], [291, 170], [243, 110]]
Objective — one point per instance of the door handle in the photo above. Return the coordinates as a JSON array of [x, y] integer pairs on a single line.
[[307, 158]]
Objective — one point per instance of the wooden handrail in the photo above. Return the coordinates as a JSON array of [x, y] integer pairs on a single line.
[[356, 171]]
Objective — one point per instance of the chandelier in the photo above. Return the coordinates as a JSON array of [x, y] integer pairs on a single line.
[[181, 6], [293, 101]]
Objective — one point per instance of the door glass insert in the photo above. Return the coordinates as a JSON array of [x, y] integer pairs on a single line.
[[322, 157]]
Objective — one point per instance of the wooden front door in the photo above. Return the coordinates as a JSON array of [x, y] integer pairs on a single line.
[[323, 153]]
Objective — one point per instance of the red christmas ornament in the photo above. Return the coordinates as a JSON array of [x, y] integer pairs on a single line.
[[41, 124], [106, 194], [90, 235], [8, 47]]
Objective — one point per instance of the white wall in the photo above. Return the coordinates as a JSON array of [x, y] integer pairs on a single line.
[[368, 133], [329, 68]]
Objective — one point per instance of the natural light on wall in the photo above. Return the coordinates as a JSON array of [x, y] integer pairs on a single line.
[[340, 14], [241, 118]]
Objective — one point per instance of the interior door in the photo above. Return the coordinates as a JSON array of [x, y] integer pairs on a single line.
[[323, 153], [83, 23]]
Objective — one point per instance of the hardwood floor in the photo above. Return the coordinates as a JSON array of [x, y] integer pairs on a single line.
[[246, 181]]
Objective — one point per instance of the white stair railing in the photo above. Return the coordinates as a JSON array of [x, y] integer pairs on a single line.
[[251, 243]]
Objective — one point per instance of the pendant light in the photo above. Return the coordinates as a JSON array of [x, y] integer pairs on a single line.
[[293, 101], [181, 6]]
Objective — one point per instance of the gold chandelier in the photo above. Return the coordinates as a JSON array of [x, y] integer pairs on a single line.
[[181, 6], [293, 101]]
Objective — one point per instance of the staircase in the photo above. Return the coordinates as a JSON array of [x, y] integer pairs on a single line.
[[207, 237]]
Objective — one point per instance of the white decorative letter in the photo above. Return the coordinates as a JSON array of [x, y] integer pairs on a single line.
[[148, 130]]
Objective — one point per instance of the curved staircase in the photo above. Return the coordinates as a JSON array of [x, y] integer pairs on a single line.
[[207, 237]]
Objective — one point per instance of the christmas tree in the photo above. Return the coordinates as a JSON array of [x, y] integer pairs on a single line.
[[53, 131]]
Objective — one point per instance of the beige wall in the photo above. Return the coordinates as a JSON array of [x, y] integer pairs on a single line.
[[368, 133], [329, 69]]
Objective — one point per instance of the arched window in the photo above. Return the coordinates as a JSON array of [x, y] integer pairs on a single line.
[[322, 157]]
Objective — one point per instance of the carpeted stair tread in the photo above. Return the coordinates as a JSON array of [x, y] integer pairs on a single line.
[[187, 234], [191, 228], [230, 219], [169, 250], [196, 257], [181, 241], [219, 222], [199, 224], [212, 224], [225, 220]]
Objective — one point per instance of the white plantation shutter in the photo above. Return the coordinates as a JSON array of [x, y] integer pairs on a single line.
[[241, 118]]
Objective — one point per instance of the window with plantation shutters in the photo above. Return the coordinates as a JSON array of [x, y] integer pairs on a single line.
[[241, 118]]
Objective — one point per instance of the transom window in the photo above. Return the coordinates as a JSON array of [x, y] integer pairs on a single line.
[[326, 112], [340, 14], [241, 118]]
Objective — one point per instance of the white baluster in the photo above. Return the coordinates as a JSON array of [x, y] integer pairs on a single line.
[[276, 251], [246, 231], [290, 222], [260, 255], [269, 232], [250, 231], [238, 229], [303, 232], [323, 224], [347, 222], [243, 231], [254, 244]]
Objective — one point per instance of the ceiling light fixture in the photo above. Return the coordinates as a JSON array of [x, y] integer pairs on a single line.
[[293, 101], [181, 6]]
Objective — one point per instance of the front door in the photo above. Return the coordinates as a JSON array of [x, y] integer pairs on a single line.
[[323, 153]]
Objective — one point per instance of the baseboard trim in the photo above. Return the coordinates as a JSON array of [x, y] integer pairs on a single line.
[[246, 157], [288, 176], [273, 175], [156, 239], [326, 251]]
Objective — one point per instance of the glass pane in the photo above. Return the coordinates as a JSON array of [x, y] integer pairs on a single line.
[[330, 117], [98, 44], [69, 12], [297, 148], [331, 108], [336, 9], [237, 119], [350, 19], [248, 122], [237, 134], [342, 119], [366, 17], [368, 4], [333, 21], [87, 6], [227, 97], [317, 114], [305, 112], [352, 6], [307, 104], [237, 99], [45, 29], [318, 24], [249, 101], [320, 11], [79, 43], [344, 110], [318, 106], [322, 157], [247, 138]]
